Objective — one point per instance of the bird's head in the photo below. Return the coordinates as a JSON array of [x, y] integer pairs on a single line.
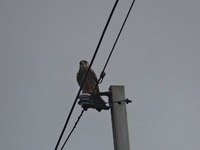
[[84, 65]]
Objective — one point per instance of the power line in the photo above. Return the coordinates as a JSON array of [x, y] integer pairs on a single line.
[[97, 48], [103, 74], [79, 117], [103, 71]]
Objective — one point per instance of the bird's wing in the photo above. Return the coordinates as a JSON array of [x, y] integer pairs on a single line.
[[95, 80], [93, 76], [80, 77]]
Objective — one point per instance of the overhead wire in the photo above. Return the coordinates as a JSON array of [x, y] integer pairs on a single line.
[[103, 73], [95, 53], [79, 117]]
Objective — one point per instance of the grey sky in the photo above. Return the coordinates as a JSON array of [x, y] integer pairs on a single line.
[[156, 59]]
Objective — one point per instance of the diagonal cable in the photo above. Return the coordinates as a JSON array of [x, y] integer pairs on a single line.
[[102, 75], [97, 48], [72, 129], [103, 71]]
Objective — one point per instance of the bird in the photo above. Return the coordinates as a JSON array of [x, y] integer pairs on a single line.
[[90, 85], [91, 80]]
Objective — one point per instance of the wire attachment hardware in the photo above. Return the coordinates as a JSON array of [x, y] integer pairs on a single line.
[[102, 75], [125, 100], [91, 101]]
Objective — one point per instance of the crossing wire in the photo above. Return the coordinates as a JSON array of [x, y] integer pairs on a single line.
[[79, 117], [95, 53], [103, 73]]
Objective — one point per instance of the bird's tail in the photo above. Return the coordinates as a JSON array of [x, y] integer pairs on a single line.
[[99, 102]]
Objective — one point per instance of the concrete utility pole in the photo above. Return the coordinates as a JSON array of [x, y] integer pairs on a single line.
[[119, 118]]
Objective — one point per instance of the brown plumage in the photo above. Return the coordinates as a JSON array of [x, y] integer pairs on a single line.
[[91, 79], [90, 82]]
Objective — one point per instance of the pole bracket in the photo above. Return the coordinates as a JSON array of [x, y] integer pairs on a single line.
[[125, 100], [89, 101]]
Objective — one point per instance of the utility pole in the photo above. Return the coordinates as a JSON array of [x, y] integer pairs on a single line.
[[119, 118]]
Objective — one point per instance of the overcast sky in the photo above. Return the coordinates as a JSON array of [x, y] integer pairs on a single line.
[[157, 59]]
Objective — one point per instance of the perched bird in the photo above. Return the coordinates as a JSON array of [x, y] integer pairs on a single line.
[[91, 80], [90, 85]]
